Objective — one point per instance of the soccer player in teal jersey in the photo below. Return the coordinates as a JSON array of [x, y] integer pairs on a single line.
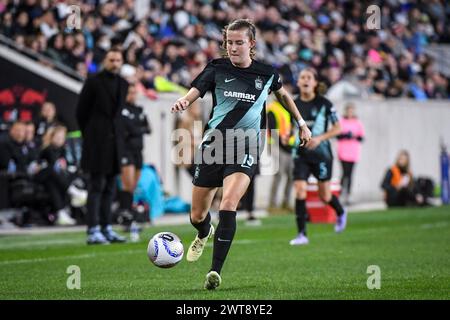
[[315, 157], [239, 86]]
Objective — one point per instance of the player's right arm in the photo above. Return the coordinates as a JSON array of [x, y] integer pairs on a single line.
[[181, 104], [204, 82]]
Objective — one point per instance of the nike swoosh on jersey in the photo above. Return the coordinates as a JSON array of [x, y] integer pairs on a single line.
[[229, 80]]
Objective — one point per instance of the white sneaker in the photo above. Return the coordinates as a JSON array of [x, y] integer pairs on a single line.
[[74, 191], [196, 248], [64, 219], [213, 280], [78, 197], [301, 239]]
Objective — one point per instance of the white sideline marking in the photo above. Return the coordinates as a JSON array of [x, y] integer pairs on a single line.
[[80, 256], [242, 241], [439, 224], [36, 243], [92, 255], [22, 261]]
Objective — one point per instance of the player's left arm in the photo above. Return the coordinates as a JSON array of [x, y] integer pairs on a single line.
[[331, 133], [286, 101], [334, 131]]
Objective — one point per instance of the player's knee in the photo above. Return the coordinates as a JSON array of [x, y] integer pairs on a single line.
[[325, 196], [229, 203], [126, 187], [197, 214], [127, 183], [300, 191], [300, 195]]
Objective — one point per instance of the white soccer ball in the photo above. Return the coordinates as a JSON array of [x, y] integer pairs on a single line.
[[165, 250]]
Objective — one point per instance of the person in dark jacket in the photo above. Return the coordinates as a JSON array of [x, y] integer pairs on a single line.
[[98, 114], [13, 155], [135, 125]]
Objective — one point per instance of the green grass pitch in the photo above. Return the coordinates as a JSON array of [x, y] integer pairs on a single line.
[[410, 246]]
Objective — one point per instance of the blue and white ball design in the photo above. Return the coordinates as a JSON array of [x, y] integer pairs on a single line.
[[165, 250]]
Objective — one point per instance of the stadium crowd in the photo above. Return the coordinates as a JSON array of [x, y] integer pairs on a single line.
[[167, 43], [39, 170]]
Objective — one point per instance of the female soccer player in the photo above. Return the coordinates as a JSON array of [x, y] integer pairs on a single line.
[[240, 86], [135, 126], [315, 157]]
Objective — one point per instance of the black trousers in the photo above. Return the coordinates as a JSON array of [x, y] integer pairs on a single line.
[[56, 184], [100, 197], [400, 198], [346, 180]]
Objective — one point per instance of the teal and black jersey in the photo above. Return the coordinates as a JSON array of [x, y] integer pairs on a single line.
[[239, 101], [239, 94], [318, 113]]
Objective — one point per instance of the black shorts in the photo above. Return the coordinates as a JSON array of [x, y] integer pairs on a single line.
[[132, 157], [321, 170], [212, 175]]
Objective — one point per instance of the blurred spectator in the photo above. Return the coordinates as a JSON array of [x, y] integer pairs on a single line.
[[46, 119], [332, 37], [48, 25], [13, 157], [398, 184], [290, 70], [55, 48], [55, 176], [349, 148], [31, 148], [135, 126]]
